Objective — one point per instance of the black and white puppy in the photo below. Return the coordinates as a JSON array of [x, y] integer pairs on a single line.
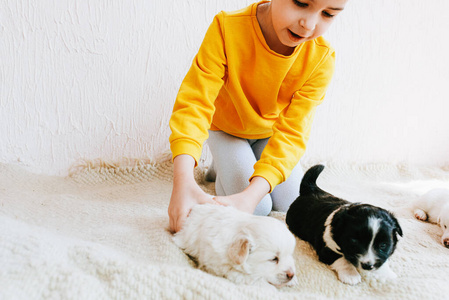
[[347, 236]]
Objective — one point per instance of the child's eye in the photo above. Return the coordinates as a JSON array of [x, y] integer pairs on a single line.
[[328, 15], [300, 4]]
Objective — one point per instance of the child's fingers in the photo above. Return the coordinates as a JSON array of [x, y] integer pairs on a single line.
[[218, 200], [176, 222], [172, 224], [179, 222], [215, 202], [208, 200], [182, 218]]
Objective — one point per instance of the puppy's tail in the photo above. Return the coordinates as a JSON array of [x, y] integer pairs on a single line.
[[308, 183]]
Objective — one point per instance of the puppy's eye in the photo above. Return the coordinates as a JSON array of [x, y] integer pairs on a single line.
[[382, 246], [445, 226], [354, 241], [275, 259]]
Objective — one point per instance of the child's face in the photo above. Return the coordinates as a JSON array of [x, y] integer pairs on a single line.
[[298, 21]]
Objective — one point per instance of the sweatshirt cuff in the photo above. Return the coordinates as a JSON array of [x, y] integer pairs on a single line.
[[191, 148], [270, 173]]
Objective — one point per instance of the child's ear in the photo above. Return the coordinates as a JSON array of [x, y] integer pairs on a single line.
[[239, 250]]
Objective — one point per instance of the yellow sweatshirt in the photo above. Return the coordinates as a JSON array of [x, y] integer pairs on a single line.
[[237, 84]]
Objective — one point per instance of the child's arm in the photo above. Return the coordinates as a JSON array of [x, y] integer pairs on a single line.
[[292, 129], [194, 106], [186, 193], [190, 121]]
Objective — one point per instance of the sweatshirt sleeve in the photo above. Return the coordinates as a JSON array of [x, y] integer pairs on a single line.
[[194, 106], [291, 131]]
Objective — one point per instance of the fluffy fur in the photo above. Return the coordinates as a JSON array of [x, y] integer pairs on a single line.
[[433, 206], [244, 248], [347, 236]]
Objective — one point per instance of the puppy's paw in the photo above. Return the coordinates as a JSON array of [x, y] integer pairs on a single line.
[[420, 214], [383, 276], [349, 277], [391, 275], [384, 273], [346, 272]]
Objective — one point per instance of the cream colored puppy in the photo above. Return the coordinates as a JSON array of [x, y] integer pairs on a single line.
[[244, 248], [433, 206]]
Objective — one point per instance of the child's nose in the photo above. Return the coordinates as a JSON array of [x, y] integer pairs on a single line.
[[309, 22]]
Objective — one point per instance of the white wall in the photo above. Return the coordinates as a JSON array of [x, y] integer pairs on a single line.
[[98, 78]]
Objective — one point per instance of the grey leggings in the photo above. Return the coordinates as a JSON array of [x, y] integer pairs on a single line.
[[233, 161]]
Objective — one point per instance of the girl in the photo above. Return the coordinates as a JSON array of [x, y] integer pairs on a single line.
[[252, 89]]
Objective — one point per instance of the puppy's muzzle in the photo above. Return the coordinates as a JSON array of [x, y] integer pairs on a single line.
[[289, 274]]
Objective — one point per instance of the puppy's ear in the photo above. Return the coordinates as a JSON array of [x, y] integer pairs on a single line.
[[239, 250], [397, 228]]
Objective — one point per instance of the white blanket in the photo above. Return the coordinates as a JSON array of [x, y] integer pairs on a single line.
[[102, 234]]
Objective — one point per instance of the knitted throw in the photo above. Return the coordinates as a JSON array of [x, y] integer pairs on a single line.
[[101, 233]]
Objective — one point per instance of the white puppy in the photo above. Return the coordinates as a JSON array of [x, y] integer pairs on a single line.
[[244, 248], [433, 206]]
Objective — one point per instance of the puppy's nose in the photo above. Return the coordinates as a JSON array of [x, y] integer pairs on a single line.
[[446, 242], [367, 266], [290, 274]]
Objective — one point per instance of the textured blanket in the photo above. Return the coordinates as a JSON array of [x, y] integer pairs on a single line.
[[101, 233]]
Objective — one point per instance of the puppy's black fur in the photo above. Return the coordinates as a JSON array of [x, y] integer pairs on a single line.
[[349, 228]]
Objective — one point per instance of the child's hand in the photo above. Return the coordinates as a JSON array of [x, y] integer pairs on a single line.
[[239, 201], [248, 199], [181, 202], [186, 192]]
